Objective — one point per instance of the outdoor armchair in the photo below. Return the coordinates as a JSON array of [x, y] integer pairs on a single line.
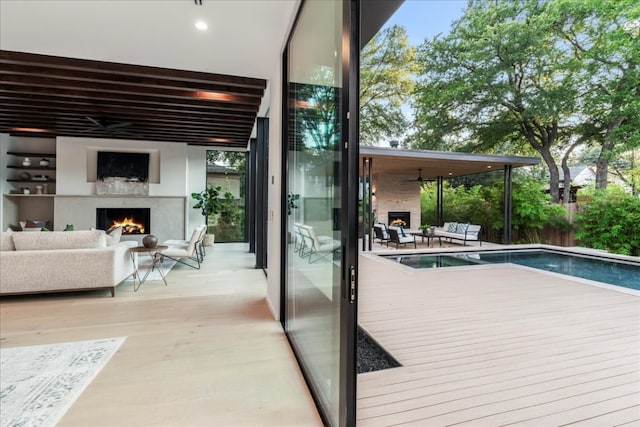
[[399, 237]]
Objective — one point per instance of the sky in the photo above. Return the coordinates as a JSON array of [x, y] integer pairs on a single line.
[[426, 18]]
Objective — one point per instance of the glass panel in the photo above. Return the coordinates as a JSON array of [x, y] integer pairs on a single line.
[[226, 169], [314, 199]]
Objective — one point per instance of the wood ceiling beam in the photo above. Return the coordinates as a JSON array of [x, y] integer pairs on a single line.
[[150, 120], [144, 99], [101, 77], [53, 103], [12, 57], [125, 89]]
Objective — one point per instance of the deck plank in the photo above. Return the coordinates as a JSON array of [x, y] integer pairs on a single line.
[[496, 345]]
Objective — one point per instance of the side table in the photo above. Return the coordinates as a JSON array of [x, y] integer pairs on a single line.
[[156, 263]]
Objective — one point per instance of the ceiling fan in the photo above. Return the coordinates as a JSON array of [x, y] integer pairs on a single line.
[[419, 179], [107, 126]]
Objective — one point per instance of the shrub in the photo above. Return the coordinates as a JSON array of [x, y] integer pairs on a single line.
[[609, 220], [532, 209]]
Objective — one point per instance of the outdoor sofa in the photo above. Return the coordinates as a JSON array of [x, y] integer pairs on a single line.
[[460, 231]]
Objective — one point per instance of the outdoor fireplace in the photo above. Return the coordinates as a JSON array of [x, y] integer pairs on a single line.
[[399, 216], [132, 220]]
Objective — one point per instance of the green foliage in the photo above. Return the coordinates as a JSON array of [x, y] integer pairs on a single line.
[[387, 64], [208, 201], [542, 75], [484, 205], [609, 220]]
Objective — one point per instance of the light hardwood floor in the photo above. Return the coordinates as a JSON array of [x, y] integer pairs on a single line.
[[497, 346], [202, 351]]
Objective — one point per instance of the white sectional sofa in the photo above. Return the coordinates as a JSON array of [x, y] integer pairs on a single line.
[[32, 262]]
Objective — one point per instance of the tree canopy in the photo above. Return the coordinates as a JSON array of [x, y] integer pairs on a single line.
[[387, 64], [529, 76]]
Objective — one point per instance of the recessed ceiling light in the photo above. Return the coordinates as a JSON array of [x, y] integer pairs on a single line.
[[201, 25]]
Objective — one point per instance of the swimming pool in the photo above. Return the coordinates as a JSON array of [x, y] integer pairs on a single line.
[[605, 270]]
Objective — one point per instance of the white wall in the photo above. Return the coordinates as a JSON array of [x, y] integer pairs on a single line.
[[76, 164]]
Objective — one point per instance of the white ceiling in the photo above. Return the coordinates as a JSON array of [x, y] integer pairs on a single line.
[[245, 37]]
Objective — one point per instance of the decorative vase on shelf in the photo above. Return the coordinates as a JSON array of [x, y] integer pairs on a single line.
[[45, 162], [149, 241], [45, 188], [26, 162], [38, 189]]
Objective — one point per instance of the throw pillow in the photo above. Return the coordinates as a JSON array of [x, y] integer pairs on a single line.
[[6, 241], [453, 226], [462, 228], [402, 231], [113, 236]]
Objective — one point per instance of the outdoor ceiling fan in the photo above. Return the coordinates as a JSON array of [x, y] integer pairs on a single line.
[[109, 127], [419, 179]]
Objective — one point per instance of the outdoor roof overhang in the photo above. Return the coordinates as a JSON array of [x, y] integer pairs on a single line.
[[438, 163]]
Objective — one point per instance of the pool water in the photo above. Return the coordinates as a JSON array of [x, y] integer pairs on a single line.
[[610, 271]]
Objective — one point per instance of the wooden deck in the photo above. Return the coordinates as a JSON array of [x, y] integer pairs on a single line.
[[497, 345]]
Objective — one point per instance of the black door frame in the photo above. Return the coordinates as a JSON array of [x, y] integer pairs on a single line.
[[349, 209]]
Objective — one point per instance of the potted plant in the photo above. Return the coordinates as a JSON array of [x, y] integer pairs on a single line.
[[208, 201]]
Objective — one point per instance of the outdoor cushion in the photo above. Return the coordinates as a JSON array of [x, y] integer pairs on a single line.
[[453, 227]]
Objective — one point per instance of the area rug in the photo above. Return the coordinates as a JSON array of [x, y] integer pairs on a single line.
[[144, 265], [39, 383]]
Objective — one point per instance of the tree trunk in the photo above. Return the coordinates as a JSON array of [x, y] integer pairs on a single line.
[[554, 175], [566, 196]]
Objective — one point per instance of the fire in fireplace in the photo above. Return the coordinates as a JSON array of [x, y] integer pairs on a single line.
[[402, 218], [132, 220]]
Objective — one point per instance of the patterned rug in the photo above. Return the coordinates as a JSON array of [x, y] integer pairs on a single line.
[[39, 383]]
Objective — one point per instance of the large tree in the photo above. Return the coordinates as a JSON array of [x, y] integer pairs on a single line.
[[605, 42], [387, 64], [498, 78]]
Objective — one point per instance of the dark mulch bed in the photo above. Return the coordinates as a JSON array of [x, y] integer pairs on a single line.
[[372, 357]]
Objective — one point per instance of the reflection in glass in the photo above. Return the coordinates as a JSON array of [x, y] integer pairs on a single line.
[[313, 198]]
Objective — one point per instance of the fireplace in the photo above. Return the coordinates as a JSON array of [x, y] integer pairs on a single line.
[[132, 220], [399, 216]]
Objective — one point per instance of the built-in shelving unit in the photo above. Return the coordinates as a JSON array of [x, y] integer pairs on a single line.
[[18, 206], [35, 166]]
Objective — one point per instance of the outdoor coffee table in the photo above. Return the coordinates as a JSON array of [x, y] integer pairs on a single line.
[[429, 237], [156, 263]]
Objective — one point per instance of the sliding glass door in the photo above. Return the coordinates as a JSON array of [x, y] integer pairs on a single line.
[[321, 207]]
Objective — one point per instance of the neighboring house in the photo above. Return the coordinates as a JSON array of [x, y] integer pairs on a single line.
[[227, 178], [580, 176]]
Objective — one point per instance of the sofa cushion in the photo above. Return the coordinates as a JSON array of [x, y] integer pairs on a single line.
[[6, 241], [453, 226], [85, 239]]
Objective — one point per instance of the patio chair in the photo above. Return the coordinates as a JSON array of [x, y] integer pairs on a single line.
[[380, 233], [185, 253], [397, 236], [319, 245]]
